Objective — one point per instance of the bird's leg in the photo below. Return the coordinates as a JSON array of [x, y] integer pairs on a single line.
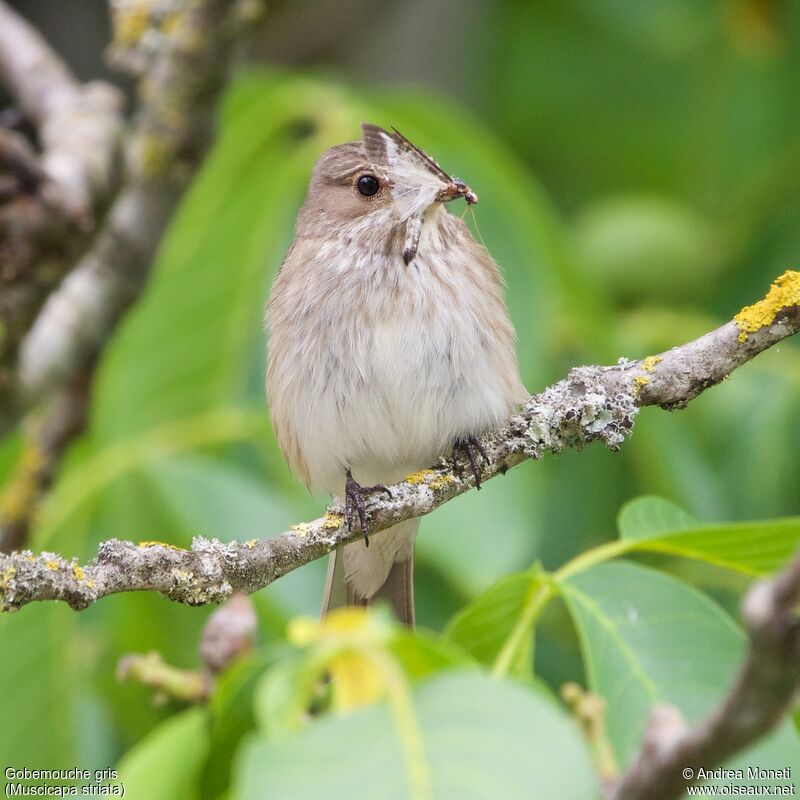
[[354, 495], [470, 447]]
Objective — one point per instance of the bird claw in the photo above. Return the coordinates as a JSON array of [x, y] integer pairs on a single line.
[[354, 495], [467, 447]]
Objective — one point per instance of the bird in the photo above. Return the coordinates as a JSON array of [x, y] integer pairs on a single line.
[[389, 346]]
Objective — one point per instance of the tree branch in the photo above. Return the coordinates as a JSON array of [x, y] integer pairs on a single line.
[[49, 200], [763, 691], [171, 135], [590, 404], [187, 70]]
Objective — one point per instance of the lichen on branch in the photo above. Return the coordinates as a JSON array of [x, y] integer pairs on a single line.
[[591, 404]]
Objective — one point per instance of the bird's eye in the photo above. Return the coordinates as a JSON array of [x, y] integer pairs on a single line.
[[368, 185]]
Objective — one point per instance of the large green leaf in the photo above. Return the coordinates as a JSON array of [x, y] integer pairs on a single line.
[[167, 763], [755, 548], [465, 737], [38, 715], [648, 638]]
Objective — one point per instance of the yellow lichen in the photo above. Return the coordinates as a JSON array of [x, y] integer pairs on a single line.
[[419, 477], [153, 153], [431, 478], [129, 23], [638, 382], [442, 481], [649, 364], [78, 572], [21, 493], [303, 528], [250, 543], [90, 584], [332, 522], [159, 544], [784, 293], [8, 574], [53, 565]]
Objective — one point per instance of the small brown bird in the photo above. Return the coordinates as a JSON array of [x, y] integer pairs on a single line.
[[389, 345]]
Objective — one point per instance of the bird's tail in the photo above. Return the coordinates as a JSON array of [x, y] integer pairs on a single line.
[[397, 588]]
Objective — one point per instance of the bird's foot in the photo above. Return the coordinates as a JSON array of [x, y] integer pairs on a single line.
[[470, 448], [354, 495]]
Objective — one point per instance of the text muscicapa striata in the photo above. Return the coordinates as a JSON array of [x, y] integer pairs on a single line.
[[389, 344]]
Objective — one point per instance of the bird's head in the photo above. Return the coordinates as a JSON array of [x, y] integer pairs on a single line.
[[379, 191]]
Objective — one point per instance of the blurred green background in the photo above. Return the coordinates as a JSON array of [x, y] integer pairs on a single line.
[[638, 165]]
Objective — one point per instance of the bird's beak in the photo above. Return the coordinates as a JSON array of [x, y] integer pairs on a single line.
[[455, 189]]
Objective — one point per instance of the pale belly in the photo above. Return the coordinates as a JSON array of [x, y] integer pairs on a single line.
[[396, 397]]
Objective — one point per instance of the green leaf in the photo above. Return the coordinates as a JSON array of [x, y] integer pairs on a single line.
[[167, 763], [37, 716], [479, 738], [617, 236], [483, 626], [231, 711], [647, 638], [755, 548], [420, 653], [649, 516]]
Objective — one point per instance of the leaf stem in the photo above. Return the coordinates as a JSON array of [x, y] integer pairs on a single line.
[[541, 593], [402, 707]]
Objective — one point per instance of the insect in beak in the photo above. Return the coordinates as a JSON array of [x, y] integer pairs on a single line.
[[413, 232], [455, 189]]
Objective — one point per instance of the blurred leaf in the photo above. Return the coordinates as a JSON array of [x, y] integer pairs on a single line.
[[37, 717], [629, 243], [283, 695], [672, 27], [420, 653], [483, 627], [479, 738], [231, 712], [88, 479], [167, 763], [648, 516], [214, 498], [648, 638], [461, 538], [10, 451]]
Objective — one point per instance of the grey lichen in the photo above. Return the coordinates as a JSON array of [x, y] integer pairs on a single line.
[[577, 411]]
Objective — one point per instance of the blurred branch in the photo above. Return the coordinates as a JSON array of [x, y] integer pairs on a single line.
[[49, 200], [150, 669], [763, 691], [172, 132], [47, 435], [591, 403], [228, 636]]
